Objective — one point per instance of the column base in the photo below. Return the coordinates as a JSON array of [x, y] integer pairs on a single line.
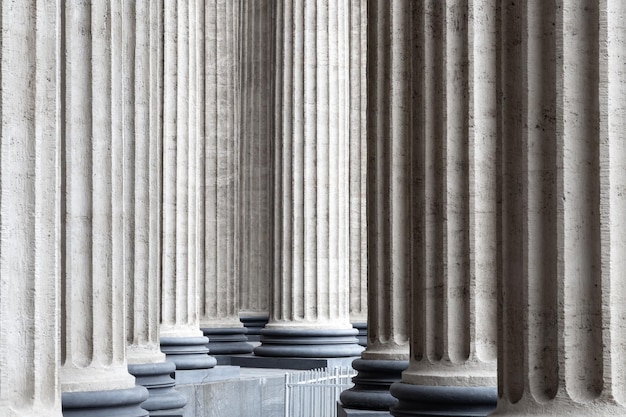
[[362, 335], [119, 403], [163, 400], [227, 340], [423, 400], [254, 324], [188, 352], [343, 411], [371, 385], [308, 343]]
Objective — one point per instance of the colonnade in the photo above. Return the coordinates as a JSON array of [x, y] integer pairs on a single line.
[[166, 167]]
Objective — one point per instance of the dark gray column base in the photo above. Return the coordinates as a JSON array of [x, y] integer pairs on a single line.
[[362, 335], [119, 403], [422, 400], [308, 343], [164, 400], [251, 361], [188, 352], [254, 324], [371, 385], [351, 412], [227, 341]]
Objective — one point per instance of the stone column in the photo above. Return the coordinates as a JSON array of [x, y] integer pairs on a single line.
[[255, 191], [94, 375], [562, 327], [452, 368], [218, 202], [309, 315], [388, 212], [29, 233], [358, 168], [141, 75], [181, 338]]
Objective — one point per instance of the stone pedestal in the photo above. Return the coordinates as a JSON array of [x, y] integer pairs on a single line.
[[453, 200], [94, 376], [309, 313], [562, 327], [181, 338], [29, 229]]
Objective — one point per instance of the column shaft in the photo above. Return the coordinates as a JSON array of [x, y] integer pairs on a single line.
[[29, 284]]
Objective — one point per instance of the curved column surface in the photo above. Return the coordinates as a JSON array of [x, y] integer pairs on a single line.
[[255, 162], [452, 368], [94, 374], [388, 210], [142, 209], [29, 274], [358, 168], [181, 338], [219, 235], [309, 312], [562, 328]]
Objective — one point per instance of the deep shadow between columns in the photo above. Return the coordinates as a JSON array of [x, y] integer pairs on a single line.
[[227, 340], [188, 353], [423, 400], [309, 343], [163, 400], [371, 384], [254, 324], [362, 335], [119, 403]]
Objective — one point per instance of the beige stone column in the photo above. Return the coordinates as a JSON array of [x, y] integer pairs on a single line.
[[562, 328], [358, 168], [454, 205], [255, 190], [94, 376], [388, 212], [141, 77], [29, 232], [309, 311], [217, 260], [181, 337]]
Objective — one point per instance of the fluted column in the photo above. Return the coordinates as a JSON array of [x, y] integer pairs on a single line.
[[452, 368], [141, 74], [562, 328], [181, 337], [94, 376], [309, 313], [358, 168], [388, 210], [29, 233], [218, 251], [255, 191]]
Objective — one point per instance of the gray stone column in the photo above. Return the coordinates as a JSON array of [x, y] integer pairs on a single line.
[[29, 232], [454, 203], [94, 375], [255, 179], [217, 261], [562, 327], [358, 168], [141, 75], [388, 213], [309, 312], [181, 338]]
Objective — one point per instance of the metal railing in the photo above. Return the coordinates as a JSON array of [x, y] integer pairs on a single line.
[[315, 393]]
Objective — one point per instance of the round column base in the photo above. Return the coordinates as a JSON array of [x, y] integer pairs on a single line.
[[163, 400], [308, 343], [422, 400], [371, 385], [119, 403], [188, 352], [227, 340], [362, 335], [254, 324]]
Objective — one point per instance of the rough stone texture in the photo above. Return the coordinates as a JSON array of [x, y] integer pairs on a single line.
[[562, 327], [255, 164], [92, 309], [29, 279]]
